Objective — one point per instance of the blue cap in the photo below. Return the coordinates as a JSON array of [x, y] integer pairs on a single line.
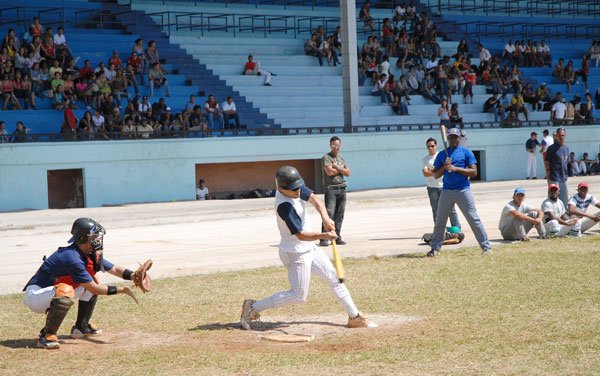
[[519, 190], [454, 131]]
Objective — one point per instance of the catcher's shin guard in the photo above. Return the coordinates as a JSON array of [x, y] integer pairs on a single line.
[[83, 327], [59, 307]]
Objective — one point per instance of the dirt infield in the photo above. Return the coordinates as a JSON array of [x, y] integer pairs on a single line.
[[185, 238]]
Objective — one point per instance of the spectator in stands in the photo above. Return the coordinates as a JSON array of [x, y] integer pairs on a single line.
[[253, 68], [56, 81], [365, 16], [144, 105], [119, 87], [58, 99], [38, 28], [8, 94], [138, 50], [152, 56], [69, 89], [9, 69], [110, 73], [595, 165], [116, 60], [462, 49], [20, 63], [86, 71], [442, 75], [130, 75], [310, 48], [36, 79], [544, 51], [519, 54], [22, 89], [444, 113], [380, 89], [588, 110], [108, 106], [569, 77], [518, 105], [337, 40], [516, 79], [455, 118], [48, 51], [85, 125], [197, 121], [133, 107], [584, 71], [468, 85], [504, 105], [157, 79], [484, 56], [71, 69], [128, 129], [530, 96], [136, 64], [212, 109], [103, 87], [159, 108], [559, 109], [61, 41], [189, 106], [388, 42], [427, 89], [543, 96], [115, 121], [492, 105], [4, 137], [329, 52], [20, 133], [321, 35], [166, 122], [431, 65], [588, 163], [144, 130], [594, 52], [230, 112], [422, 52], [509, 51], [559, 69]]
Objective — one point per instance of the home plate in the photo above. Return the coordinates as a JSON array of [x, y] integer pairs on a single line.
[[288, 337]]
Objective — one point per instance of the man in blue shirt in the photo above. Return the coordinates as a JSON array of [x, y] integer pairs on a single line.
[[68, 274], [556, 163], [456, 167]]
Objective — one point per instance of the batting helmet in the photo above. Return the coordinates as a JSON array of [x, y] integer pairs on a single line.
[[288, 178], [84, 228]]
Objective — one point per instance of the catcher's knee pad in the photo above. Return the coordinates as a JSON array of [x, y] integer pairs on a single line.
[[62, 289], [59, 307]]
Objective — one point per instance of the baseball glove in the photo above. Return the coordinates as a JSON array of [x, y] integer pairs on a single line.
[[141, 279]]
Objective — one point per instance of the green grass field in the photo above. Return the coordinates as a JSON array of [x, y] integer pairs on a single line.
[[528, 309]]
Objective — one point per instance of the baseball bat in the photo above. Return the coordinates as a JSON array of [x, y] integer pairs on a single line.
[[444, 138], [337, 261]]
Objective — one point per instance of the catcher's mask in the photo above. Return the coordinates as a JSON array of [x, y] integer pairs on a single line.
[[85, 229]]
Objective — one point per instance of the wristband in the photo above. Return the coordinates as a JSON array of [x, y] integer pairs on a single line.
[[127, 274], [112, 290]]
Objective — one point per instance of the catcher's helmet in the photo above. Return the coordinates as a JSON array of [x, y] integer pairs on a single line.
[[84, 228], [288, 178]]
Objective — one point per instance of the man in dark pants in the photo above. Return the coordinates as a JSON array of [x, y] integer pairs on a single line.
[[334, 170], [556, 163]]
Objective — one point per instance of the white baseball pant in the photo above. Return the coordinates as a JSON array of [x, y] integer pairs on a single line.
[[553, 228], [587, 223], [300, 266], [531, 165], [38, 298], [261, 72]]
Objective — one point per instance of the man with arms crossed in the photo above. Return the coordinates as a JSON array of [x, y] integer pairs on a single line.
[[518, 218], [334, 170], [456, 169]]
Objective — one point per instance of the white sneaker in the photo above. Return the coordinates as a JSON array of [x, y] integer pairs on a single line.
[[487, 251], [249, 314], [360, 321]]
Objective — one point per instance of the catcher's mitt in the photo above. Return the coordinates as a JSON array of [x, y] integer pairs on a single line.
[[141, 279]]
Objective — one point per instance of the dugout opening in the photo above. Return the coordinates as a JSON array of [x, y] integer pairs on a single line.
[[480, 157], [65, 189], [241, 179]]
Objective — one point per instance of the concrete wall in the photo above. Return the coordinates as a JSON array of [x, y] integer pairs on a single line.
[[117, 172]]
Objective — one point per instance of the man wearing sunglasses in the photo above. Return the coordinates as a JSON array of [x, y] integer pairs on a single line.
[[459, 165], [299, 252]]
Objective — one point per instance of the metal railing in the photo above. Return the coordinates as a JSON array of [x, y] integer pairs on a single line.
[[523, 30], [285, 3], [554, 8], [237, 23], [254, 132]]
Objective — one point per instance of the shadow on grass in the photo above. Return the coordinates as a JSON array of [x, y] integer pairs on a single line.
[[380, 239], [411, 255], [24, 343], [263, 326]]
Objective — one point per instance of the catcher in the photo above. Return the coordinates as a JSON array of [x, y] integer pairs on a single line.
[[69, 274]]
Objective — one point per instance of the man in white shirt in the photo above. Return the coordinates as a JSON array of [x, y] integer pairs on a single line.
[[379, 89], [518, 218], [546, 142], [61, 42], [97, 120], [544, 51], [558, 111], [230, 112], [484, 54], [434, 186], [253, 68], [579, 203], [202, 191], [509, 50], [431, 64], [556, 221]]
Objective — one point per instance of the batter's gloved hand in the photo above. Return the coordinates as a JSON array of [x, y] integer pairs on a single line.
[[141, 279]]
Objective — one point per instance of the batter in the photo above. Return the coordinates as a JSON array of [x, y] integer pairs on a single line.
[[299, 253]]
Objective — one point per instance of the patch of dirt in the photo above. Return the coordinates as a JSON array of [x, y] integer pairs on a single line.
[[121, 340]]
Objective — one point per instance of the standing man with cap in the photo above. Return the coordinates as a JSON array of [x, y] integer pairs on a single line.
[[456, 169], [434, 186], [579, 203], [299, 253], [518, 218], [556, 221], [334, 171], [530, 146], [556, 163]]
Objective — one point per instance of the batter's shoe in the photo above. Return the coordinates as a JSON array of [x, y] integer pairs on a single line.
[[487, 251], [90, 330], [323, 243], [339, 241], [360, 321], [48, 341], [433, 253], [249, 314]]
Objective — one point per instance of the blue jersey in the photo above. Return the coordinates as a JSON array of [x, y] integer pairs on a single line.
[[461, 157], [66, 261]]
